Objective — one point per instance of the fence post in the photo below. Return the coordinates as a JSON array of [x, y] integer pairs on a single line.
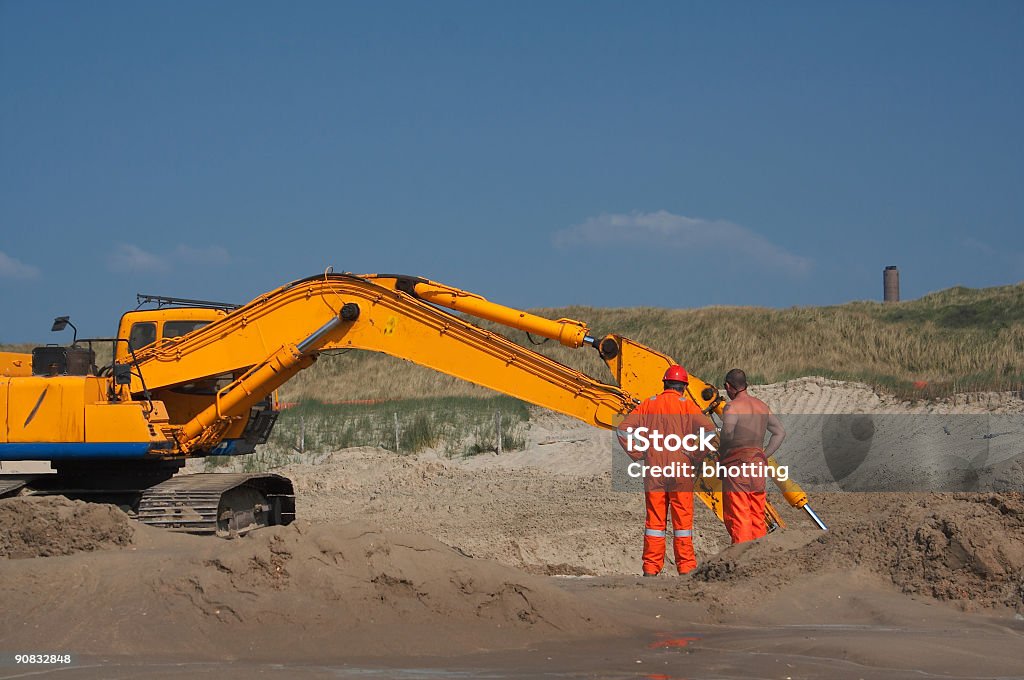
[[497, 427], [302, 435], [396, 432]]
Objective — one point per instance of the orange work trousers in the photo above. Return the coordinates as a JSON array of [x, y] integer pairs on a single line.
[[744, 498], [659, 503]]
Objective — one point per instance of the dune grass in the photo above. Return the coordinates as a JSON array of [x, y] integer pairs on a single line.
[[955, 340], [454, 426]]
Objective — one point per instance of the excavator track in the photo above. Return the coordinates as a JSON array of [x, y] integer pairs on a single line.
[[11, 486], [226, 504]]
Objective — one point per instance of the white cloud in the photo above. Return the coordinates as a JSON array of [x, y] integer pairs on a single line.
[[980, 246], [663, 229], [1009, 256], [131, 258], [12, 268], [126, 257], [211, 255]]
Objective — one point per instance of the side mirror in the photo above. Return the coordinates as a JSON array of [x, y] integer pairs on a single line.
[[122, 374], [62, 322]]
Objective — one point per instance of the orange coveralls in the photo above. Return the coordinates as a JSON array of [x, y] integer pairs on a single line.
[[743, 498], [667, 413]]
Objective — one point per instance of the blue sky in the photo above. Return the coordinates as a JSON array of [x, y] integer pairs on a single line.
[[540, 154]]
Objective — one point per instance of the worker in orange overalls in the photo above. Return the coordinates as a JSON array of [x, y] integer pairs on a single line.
[[670, 412], [745, 421]]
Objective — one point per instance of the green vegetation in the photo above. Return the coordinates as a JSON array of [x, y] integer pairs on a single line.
[[456, 426], [993, 309], [955, 340], [22, 347]]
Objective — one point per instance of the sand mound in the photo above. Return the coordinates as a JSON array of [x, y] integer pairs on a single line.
[[379, 578], [46, 526], [968, 548], [315, 591], [526, 518], [964, 548]]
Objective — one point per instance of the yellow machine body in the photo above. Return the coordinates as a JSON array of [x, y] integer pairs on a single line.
[[15, 364]]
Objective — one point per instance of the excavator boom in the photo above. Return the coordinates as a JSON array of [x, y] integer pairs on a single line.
[[311, 314]]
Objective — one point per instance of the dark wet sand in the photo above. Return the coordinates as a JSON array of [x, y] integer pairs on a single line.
[[873, 634]]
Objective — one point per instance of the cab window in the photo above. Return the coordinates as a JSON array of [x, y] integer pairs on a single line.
[[175, 329], [142, 335]]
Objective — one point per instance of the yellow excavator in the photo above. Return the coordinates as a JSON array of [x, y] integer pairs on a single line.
[[192, 378]]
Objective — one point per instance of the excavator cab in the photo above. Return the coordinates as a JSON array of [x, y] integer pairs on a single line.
[[144, 327]]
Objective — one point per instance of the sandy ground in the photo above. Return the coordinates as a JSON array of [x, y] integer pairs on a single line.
[[525, 565]]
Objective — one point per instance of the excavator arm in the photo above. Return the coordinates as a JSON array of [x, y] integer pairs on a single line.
[[279, 333], [276, 335]]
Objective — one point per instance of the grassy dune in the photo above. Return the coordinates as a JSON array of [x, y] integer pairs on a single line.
[[22, 347], [955, 340], [454, 426]]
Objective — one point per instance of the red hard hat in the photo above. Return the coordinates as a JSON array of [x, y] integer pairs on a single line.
[[676, 373]]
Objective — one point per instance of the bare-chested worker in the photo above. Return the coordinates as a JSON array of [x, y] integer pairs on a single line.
[[745, 421]]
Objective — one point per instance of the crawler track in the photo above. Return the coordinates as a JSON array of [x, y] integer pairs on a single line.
[[212, 503]]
